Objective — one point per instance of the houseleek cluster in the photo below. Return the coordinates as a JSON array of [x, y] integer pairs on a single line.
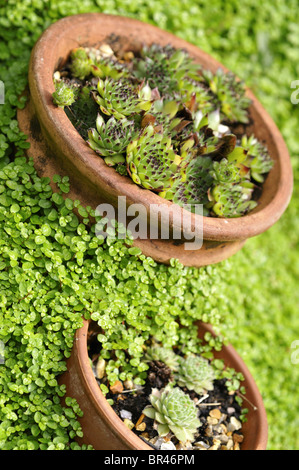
[[175, 412], [171, 407], [162, 120]]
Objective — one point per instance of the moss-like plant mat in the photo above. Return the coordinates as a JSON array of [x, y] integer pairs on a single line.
[[256, 291]]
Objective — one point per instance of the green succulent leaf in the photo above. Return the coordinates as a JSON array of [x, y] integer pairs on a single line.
[[80, 63], [64, 94], [151, 160], [166, 355], [111, 138], [195, 373], [174, 411], [121, 98]]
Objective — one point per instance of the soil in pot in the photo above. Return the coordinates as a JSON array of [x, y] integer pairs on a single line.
[[219, 409]]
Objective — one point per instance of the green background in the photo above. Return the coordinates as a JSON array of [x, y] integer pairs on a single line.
[[259, 42]]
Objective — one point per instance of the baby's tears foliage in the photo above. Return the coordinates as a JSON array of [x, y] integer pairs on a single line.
[[256, 291]]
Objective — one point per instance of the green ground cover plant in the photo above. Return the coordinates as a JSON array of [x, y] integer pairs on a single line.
[[48, 256]]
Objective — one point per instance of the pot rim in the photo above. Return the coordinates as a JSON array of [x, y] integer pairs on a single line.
[[231, 358], [57, 125]]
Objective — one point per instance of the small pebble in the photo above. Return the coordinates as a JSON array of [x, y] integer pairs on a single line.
[[117, 387], [234, 424], [106, 50], [125, 414], [128, 423], [223, 438], [230, 410], [184, 446], [128, 384], [167, 446], [157, 441], [140, 419], [238, 437], [201, 445], [220, 428], [128, 56], [216, 413], [100, 368], [214, 447], [212, 421], [140, 427], [230, 444], [209, 430]]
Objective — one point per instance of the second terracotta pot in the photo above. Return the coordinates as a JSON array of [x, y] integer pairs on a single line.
[[104, 430]]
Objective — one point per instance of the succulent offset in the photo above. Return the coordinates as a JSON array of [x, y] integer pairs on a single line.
[[231, 200], [163, 67], [164, 121], [110, 139], [80, 63], [151, 160], [258, 158], [64, 94], [175, 412], [162, 354], [121, 98], [229, 95], [195, 373]]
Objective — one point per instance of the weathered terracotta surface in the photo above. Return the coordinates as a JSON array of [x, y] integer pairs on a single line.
[[57, 147], [104, 430]]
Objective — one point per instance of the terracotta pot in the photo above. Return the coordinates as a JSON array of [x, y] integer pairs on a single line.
[[57, 147], [104, 430]]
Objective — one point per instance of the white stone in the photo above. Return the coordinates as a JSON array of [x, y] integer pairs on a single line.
[[126, 414], [167, 446], [234, 425]]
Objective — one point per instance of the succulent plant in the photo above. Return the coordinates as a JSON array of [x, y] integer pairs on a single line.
[[163, 115], [65, 94], [109, 67], [111, 138], [162, 354], [226, 172], [151, 160], [120, 98], [192, 185], [258, 158], [81, 63], [194, 89], [175, 412], [195, 373], [231, 200], [229, 93], [163, 66], [153, 65]]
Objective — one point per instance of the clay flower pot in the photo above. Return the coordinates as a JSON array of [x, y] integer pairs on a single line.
[[104, 430], [57, 147]]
